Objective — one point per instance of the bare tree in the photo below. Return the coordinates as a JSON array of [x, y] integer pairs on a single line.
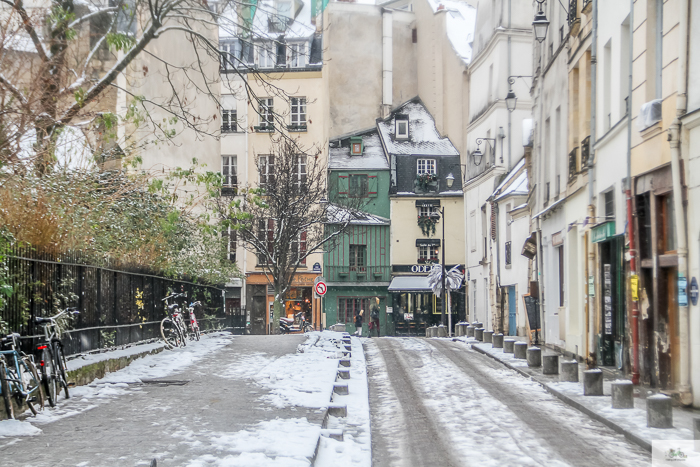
[[283, 219]]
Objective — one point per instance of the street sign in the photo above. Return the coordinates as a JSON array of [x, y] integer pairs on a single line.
[[320, 288], [316, 267]]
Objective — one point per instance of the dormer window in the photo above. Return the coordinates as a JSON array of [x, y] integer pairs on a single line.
[[356, 146], [401, 127]]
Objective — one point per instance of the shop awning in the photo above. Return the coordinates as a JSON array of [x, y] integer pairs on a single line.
[[409, 284]]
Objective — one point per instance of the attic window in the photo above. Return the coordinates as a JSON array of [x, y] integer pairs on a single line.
[[401, 127], [356, 146]]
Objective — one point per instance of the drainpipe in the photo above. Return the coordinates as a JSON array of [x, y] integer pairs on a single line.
[[387, 61], [510, 145], [591, 174], [682, 247], [634, 304]]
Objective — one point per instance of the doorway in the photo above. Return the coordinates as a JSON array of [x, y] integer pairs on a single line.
[[512, 324]]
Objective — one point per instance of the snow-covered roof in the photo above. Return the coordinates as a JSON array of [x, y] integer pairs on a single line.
[[423, 137], [518, 187], [460, 24], [340, 215], [510, 176], [372, 155]]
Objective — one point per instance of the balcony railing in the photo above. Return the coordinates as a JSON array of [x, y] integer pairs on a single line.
[[357, 273], [586, 6], [573, 163], [574, 20], [585, 152]]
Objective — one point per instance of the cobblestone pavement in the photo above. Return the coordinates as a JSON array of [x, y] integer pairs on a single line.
[[436, 402], [180, 419]]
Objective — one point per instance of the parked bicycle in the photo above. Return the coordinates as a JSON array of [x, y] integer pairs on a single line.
[[52, 358], [172, 327], [194, 325], [19, 378]]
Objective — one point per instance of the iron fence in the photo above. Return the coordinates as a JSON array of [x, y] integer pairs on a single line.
[[117, 306]]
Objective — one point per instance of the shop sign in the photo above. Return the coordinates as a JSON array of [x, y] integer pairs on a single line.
[[607, 298], [694, 291], [682, 291], [591, 286], [407, 316], [603, 232], [317, 268], [390, 310], [634, 287], [416, 268]]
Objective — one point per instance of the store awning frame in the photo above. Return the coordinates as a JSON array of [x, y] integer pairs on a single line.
[[409, 284]]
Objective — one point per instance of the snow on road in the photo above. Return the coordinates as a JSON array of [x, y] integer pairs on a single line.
[[491, 416]]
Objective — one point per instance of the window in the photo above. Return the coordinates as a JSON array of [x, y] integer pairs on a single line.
[[298, 111], [229, 171], [297, 54], [472, 231], [609, 205], [266, 168], [358, 257], [401, 128], [230, 54], [266, 237], [300, 170], [356, 146], [358, 186], [428, 254], [561, 275], [266, 113], [299, 248], [426, 166], [266, 55], [348, 307], [229, 121], [231, 236], [425, 211]]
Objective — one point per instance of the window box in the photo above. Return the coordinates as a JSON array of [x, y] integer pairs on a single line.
[[297, 128], [264, 128], [229, 190]]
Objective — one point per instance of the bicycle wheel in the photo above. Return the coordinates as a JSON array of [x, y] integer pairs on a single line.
[[61, 367], [170, 333], [5, 389], [197, 334], [32, 387], [183, 332], [48, 376]]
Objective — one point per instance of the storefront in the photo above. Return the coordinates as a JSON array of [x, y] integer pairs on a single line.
[[260, 301], [414, 305]]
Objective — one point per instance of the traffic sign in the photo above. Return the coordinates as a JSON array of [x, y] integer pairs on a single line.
[[320, 288]]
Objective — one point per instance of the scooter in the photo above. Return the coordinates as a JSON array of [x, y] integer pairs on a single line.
[[287, 325]]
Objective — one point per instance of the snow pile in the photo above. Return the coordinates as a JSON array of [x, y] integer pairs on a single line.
[[80, 361], [17, 428]]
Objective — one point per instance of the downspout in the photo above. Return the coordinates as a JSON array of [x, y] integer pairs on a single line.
[[540, 286], [496, 211], [510, 145], [591, 177], [634, 304], [682, 247], [387, 61]]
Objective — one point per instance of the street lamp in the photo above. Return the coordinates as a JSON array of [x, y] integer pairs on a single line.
[[540, 23], [478, 155], [435, 215], [450, 180], [511, 98]]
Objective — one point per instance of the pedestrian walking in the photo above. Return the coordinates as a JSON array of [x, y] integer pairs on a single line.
[[374, 317], [358, 322]]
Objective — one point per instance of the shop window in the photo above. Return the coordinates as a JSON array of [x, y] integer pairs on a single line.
[[348, 307], [358, 258]]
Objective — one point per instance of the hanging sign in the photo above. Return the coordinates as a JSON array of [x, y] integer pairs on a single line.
[[634, 287], [682, 291], [607, 299], [694, 291]]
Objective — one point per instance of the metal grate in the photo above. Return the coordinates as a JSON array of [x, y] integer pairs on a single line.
[[573, 163], [585, 152]]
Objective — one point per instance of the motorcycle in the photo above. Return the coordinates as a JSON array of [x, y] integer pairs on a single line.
[[287, 325]]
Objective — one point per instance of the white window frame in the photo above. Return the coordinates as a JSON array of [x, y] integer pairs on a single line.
[[300, 164], [401, 134], [232, 243], [266, 55], [297, 55], [266, 112], [265, 169], [231, 117], [424, 253], [426, 210], [426, 166], [298, 110], [229, 170]]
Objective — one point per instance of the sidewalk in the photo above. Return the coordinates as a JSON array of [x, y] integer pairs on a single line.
[[632, 423]]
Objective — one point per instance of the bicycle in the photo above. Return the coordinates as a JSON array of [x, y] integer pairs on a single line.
[[194, 325], [52, 357], [172, 327], [19, 377]]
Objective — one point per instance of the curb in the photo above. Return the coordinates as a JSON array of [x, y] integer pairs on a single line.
[[90, 372], [641, 442]]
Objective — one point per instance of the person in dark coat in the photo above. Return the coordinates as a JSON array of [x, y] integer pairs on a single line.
[[374, 317], [358, 322]]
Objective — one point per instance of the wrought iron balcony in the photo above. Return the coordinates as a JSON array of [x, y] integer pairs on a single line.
[[586, 6], [574, 20], [573, 163], [585, 152]]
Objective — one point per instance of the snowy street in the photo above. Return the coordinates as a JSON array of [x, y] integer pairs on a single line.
[[436, 402]]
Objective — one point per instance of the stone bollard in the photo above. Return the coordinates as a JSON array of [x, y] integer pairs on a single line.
[[508, 345], [696, 433], [550, 364], [343, 374], [463, 329], [470, 331], [477, 324], [622, 394], [497, 341], [479, 334], [427, 332], [593, 382], [569, 371], [534, 357], [348, 347], [441, 331], [659, 412], [488, 337], [345, 362], [520, 350], [341, 389]]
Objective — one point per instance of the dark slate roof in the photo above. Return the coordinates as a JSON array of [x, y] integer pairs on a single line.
[[423, 137]]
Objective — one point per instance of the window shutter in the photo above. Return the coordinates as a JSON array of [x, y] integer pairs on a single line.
[[343, 185], [493, 221], [372, 183]]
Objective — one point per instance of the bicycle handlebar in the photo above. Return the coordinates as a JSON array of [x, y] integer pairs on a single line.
[[175, 295], [70, 310]]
